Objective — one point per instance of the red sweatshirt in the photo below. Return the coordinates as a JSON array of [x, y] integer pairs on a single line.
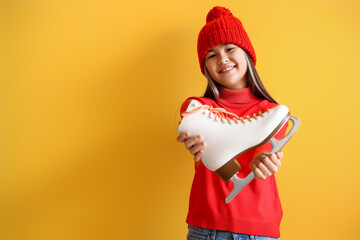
[[256, 210]]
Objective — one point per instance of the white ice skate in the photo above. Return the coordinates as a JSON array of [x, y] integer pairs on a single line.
[[228, 136]]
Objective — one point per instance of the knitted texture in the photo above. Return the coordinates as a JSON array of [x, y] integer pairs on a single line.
[[222, 27]]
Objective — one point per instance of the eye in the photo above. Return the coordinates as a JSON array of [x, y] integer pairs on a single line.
[[210, 56], [229, 49]]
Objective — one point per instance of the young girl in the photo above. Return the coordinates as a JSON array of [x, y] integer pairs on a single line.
[[227, 59]]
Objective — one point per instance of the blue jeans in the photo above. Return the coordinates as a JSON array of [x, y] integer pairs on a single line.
[[196, 233]]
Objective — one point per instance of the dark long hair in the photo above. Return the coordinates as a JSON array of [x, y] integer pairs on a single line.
[[254, 82]]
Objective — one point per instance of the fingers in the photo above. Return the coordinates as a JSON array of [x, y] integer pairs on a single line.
[[193, 144], [198, 155], [196, 148], [192, 141], [265, 164], [183, 136], [279, 155], [263, 168]]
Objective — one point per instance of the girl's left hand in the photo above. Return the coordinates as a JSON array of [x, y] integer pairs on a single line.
[[266, 164]]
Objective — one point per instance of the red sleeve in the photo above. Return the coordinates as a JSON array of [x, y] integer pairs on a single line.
[[184, 106]]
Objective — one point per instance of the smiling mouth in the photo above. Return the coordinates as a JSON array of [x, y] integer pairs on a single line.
[[227, 69]]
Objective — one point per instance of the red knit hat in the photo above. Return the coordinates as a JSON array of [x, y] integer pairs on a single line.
[[222, 27]]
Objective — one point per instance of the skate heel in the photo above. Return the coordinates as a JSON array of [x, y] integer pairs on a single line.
[[240, 183]]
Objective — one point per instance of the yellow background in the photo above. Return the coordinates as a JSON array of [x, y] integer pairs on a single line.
[[89, 104]]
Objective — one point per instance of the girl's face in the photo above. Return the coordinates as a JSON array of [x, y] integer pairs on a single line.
[[227, 66]]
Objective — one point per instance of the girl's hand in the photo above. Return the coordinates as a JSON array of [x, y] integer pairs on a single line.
[[193, 144], [265, 164]]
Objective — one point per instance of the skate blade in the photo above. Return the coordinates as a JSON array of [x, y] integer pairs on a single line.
[[240, 183], [277, 145]]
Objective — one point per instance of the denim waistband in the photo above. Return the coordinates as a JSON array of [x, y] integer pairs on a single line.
[[211, 234]]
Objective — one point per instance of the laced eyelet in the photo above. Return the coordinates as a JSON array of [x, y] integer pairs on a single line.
[[223, 115]]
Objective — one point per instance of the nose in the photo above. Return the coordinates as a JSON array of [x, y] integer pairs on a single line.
[[223, 59]]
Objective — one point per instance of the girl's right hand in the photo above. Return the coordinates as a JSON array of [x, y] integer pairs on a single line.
[[193, 144]]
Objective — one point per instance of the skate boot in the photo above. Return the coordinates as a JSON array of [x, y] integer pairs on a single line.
[[228, 136]]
